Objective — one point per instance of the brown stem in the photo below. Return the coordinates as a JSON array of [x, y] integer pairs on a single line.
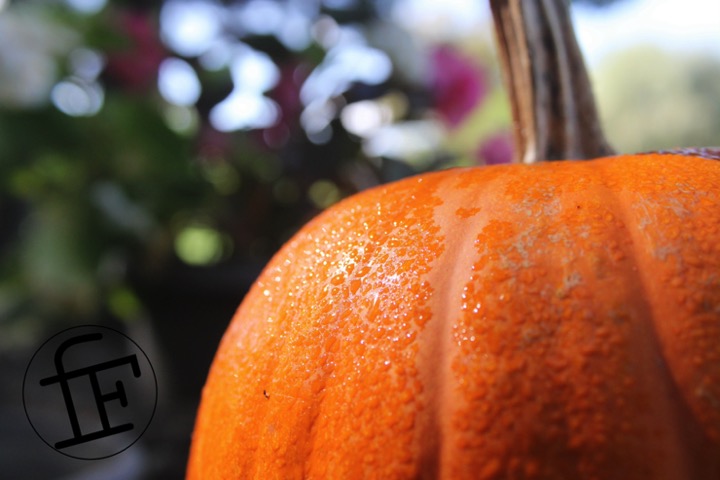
[[552, 103]]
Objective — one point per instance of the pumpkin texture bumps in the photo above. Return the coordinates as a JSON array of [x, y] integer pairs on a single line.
[[556, 320]]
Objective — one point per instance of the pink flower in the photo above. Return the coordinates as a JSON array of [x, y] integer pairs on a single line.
[[135, 64], [213, 145], [458, 85], [497, 149], [287, 91], [287, 95]]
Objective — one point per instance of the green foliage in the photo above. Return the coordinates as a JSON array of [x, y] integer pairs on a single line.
[[650, 99], [97, 190]]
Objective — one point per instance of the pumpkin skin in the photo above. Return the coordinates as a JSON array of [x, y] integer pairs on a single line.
[[556, 320]]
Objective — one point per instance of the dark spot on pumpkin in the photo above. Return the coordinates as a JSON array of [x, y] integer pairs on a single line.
[[266, 394]]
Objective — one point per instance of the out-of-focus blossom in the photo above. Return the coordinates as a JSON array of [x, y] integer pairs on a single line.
[[286, 94], [135, 65], [213, 145], [287, 91], [458, 85], [496, 150]]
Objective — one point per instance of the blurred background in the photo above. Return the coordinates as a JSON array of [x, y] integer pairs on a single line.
[[155, 154]]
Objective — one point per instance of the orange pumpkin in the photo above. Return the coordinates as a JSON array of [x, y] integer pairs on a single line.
[[555, 320]]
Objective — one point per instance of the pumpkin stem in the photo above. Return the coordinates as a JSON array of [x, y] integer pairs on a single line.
[[553, 108]]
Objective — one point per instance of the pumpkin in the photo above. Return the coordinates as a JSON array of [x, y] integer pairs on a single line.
[[550, 320]]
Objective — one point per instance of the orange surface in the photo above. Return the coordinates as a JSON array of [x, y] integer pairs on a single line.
[[559, 320]]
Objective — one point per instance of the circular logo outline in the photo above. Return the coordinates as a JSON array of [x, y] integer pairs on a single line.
[[113, 331]]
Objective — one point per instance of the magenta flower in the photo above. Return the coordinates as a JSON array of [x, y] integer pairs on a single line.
[[287, 95], [496, 150], [458, 85], [135, 64]]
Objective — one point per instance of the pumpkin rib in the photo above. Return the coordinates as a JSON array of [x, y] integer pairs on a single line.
[[612, 261], [520, 258], [653, 272], [685, 426], [650, 317], [301, 450], [332, 246], [438, 354]]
